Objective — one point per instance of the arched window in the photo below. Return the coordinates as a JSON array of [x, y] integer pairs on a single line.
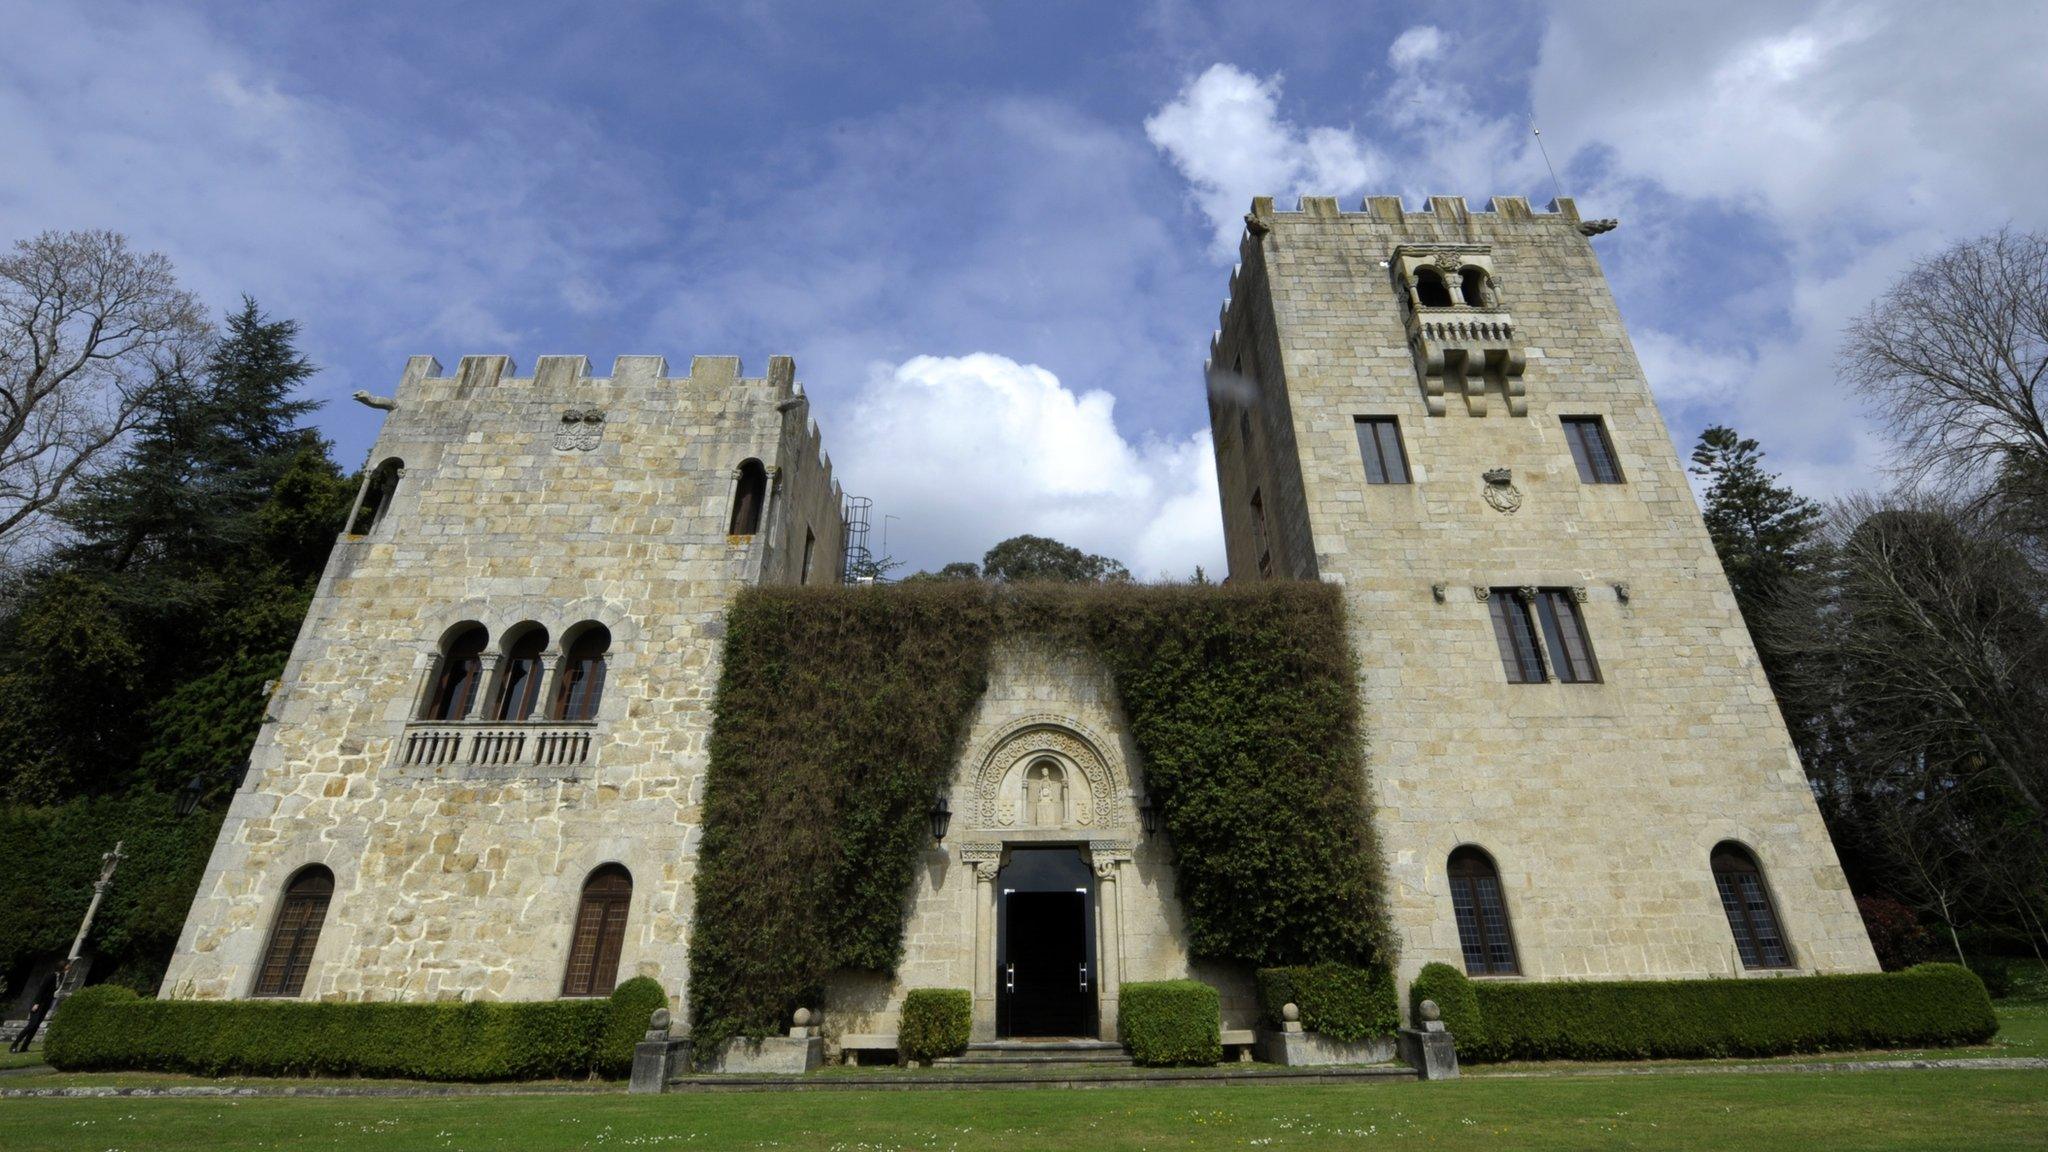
[[1430, 289], [1748, 905], [580, 685], [457, 673], [1472, 286], [747, 499], [519, 676], [377, 493], [295, 934], [1482, 913], [600, 933]]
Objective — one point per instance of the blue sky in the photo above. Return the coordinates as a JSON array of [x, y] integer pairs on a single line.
[[995, 237]]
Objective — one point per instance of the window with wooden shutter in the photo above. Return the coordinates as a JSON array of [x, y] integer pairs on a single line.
[[1564, 634], [289, 956], [1379, 445], [1592, 451], [1482, 914], [1514, 630], [1758, 940], [600, 934]]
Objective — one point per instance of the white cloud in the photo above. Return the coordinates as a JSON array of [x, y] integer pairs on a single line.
[[968, 450], [1418, 45], [1225, 134]]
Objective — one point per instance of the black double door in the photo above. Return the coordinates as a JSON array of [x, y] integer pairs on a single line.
[[1045, 947]]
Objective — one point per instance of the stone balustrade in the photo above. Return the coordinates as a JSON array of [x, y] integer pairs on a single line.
[[548, 744]]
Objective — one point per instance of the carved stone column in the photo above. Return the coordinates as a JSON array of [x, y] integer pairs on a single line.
[[986, 860], [1108, 858], [486, 676], [764, 539]]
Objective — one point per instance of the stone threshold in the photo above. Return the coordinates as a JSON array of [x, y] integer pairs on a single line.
[[1077, 1076]]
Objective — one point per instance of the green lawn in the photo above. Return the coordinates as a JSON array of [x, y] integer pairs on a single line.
[[1924, 1110]]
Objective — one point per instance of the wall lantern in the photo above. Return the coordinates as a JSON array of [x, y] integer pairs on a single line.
[[942, 817], [188, 796], [1148, 816]]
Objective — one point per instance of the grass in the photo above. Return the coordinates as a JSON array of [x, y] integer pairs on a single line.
[[19, 1059], [1872, 1110]]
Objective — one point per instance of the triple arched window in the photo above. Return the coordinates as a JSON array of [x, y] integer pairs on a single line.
[[295, 933], [600, 933], [517, 690], [1758, 939], [1482, 913]]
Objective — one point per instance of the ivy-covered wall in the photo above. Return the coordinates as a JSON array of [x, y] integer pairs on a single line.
[[841, 712]]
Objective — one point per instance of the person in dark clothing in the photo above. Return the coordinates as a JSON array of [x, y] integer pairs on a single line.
[[36, 1012]]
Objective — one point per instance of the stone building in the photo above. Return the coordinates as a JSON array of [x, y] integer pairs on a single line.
[[482, 774]]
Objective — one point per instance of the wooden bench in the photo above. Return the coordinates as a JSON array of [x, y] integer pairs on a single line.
[[851, 1045]]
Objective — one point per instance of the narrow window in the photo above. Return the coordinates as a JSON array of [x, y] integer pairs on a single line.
[[600, 933], [456, 674], [1244, 426], [1564, 634], [1259, 534], [747, 499], [810, 546], [519, 686], [1482, 915], [289, 955], [582, 677], [1472, 286], [1430, 289], [1591, 450], [1750, 915], [378, 490], [1515, 632], [1379, 442]]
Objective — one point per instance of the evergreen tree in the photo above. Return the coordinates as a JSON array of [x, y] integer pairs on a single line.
[[1766, 534]]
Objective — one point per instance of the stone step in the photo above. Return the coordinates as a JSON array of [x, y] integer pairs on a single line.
[[1026, 1052]]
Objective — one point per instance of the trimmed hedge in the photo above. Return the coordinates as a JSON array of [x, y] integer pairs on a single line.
[[1456, 998], [107, 1027], [1929, 1006], [1338, 1000], [1171, 1022], [936, 1022]]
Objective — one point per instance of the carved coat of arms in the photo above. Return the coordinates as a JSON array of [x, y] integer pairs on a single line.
[[1501, 491], [580, 430]]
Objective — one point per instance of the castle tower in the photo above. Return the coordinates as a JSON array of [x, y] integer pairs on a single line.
[[481, 778], [1579, 767]]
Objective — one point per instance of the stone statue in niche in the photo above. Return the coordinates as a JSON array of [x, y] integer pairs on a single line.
[[1045, 795]]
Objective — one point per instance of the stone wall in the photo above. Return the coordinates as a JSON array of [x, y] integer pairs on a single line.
[[1601, 802], [460, 880]]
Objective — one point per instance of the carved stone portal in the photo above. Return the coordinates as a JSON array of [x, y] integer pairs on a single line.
[[1045, 774]]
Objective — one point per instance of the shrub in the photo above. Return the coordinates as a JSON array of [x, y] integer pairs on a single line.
[[108, 1028], [1896, 934], [1338, 1000], [1996, 973], [1455, 998], [936, 1022], [1932, 1005], [632, 1006], [1171, 1022], [849, 704]]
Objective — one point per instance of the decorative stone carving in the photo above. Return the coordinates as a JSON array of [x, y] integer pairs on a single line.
[[1439, 592], [1481, 592], [1526, 593], [1500, 491], [581, 430], [1621, 593], [1579, 593], [1089, 781]]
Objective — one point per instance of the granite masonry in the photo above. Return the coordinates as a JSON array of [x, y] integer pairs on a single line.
[[481, 774]]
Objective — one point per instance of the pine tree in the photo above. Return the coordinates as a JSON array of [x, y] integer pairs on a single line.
[[1765, 533]]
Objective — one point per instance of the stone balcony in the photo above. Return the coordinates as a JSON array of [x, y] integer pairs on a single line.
[[474, 749]]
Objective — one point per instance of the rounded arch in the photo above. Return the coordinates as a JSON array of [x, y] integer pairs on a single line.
[[1097, 782], [579, 680], [374, 498], [1430, 289], [750, 492], [1474, 286], [1479, 905], [599, 934], [517, 693], [295, 932], [1747, 902], [457, 671]]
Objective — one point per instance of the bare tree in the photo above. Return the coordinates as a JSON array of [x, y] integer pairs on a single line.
[[1955, 358], [87, 329]]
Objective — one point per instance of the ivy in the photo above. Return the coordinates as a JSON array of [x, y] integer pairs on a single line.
[[841, 711]]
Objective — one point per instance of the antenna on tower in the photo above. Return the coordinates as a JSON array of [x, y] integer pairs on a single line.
[[1555, 184]]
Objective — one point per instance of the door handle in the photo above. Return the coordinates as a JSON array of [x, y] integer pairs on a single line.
[[1010, 975], [1084, 976]]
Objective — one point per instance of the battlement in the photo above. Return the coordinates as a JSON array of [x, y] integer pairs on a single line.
[[568, 373], [1435, 210]]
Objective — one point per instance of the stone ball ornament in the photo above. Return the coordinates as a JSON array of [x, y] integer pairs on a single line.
[[803, 1018], [1430, 1012], [1290, 1012]]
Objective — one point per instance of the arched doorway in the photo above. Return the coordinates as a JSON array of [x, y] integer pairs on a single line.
[[1046, 967]]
